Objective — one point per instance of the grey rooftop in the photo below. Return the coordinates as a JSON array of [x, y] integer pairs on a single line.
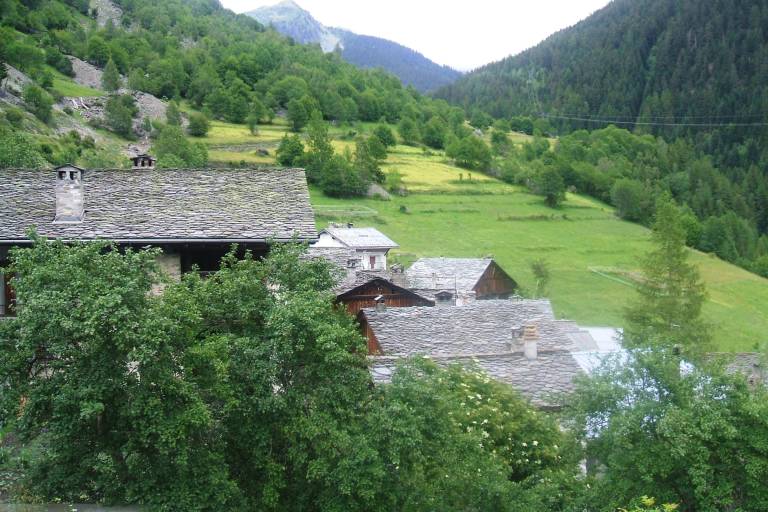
[[361, 238], [163, 205], [486, 333], [480, 327], [461, 274]]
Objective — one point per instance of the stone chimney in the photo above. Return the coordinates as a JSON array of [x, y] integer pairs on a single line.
[[531, 342], [381, 304], [70, 196], [143, 162]]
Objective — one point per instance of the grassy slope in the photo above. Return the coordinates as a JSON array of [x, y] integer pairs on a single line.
[[587, 247]]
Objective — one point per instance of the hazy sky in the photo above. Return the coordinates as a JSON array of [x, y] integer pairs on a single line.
[[463, 34]]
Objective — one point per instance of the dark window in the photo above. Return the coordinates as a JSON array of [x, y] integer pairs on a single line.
[[372, 261]]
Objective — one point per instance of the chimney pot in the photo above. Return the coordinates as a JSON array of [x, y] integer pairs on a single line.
[[143, 161], [531, 342], [70, 194], [381, 304]]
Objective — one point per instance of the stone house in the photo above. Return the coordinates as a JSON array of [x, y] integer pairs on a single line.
[[358, 289], [518, 342], [193, 215], [457, 281], [370, 245]]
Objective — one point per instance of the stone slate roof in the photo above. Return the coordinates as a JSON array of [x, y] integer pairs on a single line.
[[460, 274], [361, 238], [480, 327], [163, 205], [542, 380], [487, 332]]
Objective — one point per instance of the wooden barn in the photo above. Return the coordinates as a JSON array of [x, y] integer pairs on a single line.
[[459, 280], [370, 291]]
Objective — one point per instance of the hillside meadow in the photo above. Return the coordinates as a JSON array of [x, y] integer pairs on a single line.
[[593, 256]]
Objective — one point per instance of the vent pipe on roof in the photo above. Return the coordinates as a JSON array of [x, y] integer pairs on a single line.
[[531, 342], [70, 196]]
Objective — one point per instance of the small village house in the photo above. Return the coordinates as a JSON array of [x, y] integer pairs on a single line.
[[370, 245], [518, 342], [358, 289], [456, 281], [193, 215]]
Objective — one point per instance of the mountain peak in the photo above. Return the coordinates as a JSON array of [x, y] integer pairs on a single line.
[[290, 19]]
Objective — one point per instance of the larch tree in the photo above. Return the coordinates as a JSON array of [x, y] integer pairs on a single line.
[[110, 79], [667, 310]]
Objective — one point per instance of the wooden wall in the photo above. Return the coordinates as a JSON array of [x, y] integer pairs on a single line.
[[495, 284], [394, 297]]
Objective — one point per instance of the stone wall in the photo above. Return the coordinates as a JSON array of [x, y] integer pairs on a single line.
[[170, 265]]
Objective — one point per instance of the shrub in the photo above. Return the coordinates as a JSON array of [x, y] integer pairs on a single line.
[[38, 102], [198, 125]]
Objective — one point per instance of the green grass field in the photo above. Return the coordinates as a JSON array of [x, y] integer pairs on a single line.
[[65, 86], [591, 253]]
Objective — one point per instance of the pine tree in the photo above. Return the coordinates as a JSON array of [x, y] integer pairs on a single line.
[[110, 79], [172, 114], [667, 311]]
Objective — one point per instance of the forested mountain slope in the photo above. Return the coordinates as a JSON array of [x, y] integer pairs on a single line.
[[647, 61], [692, 71], [191, 51], [410, 66]]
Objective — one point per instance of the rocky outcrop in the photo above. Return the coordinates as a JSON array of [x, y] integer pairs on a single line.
[[85, 73], [13, 85], [107, 11]]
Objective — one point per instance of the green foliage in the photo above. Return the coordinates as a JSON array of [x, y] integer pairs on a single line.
[[631, 200], [297, 114], [198, 125], [648, 504], [457, 440], [377, 148], [38, 102], [541, 272], [93, 380], [247, 390], [385, 135], [409, 131], [17, 150], [173, 150], [667, 311], [319, 150], [119, 112], [290, 152], [471, 152], [172, 114], [548, 183], [341, 177], [434, 133], [480, 120], [110, 79], [696, 437], [366, 160]]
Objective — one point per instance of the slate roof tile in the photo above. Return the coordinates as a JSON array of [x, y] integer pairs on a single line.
[[460, 274], [362, 238], [167, 204]]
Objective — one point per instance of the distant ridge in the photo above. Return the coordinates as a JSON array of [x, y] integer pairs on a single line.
[[413, 68]]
